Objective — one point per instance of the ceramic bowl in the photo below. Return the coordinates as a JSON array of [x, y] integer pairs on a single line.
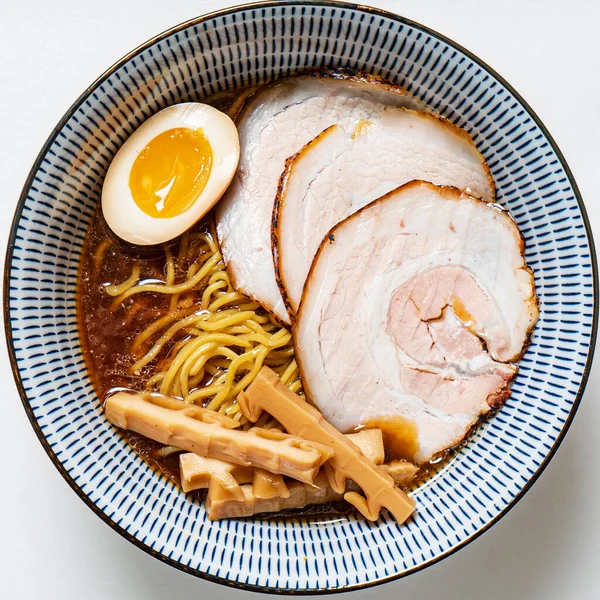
[[242, 46]]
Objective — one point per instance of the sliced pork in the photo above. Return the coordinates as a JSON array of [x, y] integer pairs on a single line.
[[413, 311], [275, 123], [341, 171]]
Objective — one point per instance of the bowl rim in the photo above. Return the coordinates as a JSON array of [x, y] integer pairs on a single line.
[[11, 246]]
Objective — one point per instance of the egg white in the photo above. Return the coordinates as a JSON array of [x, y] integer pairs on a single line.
[[124, 216]]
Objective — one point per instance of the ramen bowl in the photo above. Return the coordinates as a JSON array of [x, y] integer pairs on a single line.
[[244, 46]]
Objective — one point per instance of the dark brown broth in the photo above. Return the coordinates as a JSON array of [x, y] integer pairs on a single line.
[[106, 335]]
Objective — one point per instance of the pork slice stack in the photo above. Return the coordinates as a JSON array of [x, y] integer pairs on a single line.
[[338, 173], [369, 224], [275, 123]]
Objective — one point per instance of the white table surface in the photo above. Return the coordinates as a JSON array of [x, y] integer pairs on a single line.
[[53, 546]]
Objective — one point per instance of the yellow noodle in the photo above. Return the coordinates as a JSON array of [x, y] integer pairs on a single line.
[[155, 379], [231, 409], [223, 393], [269, 341], [212, 369], [194, 268], [249, 306], [296, 386], [170, 267], [163, 288], [260, 318], [192, 352], [175, 390], [166, 337], [161, 324], [221, 363], [257, 327], [290, 371], [100, 252], [220, 276], [196, 362], [238, 330], [283, 353], [121, 288], [196, 380], [249, 377], [204, 392], [210, 290], [177, 362], [214, 322], [183, 247], [210, 240], [200, 358], [225, 299]]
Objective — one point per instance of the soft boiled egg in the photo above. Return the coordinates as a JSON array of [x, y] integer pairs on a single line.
[[170, 173]]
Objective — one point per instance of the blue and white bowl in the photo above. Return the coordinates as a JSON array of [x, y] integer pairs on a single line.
[[238, 47]]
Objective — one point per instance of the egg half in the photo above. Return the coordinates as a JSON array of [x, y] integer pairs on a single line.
[[170, 173]]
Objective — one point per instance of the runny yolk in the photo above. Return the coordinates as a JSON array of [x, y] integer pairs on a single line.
[[169, 174]]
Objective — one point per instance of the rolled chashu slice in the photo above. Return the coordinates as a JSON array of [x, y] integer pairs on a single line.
[[411, 314], [339, 172], [274, 124]]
